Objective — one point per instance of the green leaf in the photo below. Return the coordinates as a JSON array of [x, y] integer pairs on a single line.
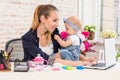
[[118, 55], [90, 28]]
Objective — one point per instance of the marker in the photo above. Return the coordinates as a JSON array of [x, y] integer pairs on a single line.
[[79, 67]]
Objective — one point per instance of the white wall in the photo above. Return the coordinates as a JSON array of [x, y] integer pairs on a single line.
[[16, 16], [108, 15], [90, 13]]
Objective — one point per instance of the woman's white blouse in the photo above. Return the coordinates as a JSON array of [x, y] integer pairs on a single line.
[[47, 49]]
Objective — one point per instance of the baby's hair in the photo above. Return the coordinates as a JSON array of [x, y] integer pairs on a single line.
[[75, 21]]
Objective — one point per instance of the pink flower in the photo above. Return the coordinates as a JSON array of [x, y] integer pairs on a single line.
[[87, 46], [86, 34]]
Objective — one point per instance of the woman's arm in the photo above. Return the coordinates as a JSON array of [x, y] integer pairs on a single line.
[[83, 58], [93, 59], [71, 63]]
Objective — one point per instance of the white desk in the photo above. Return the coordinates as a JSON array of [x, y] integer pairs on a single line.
[[112, 73]]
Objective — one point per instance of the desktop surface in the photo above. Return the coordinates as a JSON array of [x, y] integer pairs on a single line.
[[85, 74]]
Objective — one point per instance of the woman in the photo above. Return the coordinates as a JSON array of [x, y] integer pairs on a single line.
[[40, 35], [40, 38]]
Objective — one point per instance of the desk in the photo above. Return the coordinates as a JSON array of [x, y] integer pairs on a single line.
[[86, 74]]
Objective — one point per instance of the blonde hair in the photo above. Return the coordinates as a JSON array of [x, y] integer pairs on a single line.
[[75, 21], [39, 11], [45, 11]]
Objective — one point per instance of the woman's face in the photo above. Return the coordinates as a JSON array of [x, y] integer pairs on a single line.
[[52, 21]]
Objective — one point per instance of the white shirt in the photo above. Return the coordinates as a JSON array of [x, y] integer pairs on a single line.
[[75, 39], [47, 49]]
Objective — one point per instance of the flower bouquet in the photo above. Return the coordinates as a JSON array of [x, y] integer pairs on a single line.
[[86, 47], [108, 34], [91, 29]]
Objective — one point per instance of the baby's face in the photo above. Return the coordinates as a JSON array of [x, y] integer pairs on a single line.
[[69, 29]]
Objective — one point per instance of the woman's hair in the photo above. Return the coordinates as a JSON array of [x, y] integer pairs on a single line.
[[75, 21], [39, 11], [45, 11]]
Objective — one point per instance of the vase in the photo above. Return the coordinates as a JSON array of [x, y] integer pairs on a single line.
[[91, 36]]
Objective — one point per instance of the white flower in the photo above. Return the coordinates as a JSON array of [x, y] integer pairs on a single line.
[[108, 34]]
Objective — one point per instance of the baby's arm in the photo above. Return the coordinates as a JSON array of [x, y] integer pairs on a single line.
[[63, 43]]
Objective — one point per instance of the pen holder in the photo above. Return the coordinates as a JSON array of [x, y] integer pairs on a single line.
[[4, 61]]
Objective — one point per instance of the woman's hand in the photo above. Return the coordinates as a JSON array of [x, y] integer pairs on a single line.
[[94, 60], [88, 63]]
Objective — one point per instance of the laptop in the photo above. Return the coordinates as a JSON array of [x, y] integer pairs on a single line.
[[108, 57]]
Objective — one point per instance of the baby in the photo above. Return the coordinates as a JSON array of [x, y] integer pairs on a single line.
[[71, 46]]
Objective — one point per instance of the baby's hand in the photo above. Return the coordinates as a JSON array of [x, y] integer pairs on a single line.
[[56, 37]]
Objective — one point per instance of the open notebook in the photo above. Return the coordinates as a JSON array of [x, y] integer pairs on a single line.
[[109, 55]]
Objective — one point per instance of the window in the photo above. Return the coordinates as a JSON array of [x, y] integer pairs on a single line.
[[90, 13], [105, 14], [117, 15]]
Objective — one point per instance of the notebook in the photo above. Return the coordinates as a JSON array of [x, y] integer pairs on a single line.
[[109, 55]]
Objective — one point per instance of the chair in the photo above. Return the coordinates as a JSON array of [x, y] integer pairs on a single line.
[[14, 46]]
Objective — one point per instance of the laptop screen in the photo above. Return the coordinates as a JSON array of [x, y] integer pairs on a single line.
[[109, 51]]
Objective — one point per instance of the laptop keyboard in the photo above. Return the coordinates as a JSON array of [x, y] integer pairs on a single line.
[[99, 65]]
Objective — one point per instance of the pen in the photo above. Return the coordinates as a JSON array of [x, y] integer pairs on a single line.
[[9, 53]]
